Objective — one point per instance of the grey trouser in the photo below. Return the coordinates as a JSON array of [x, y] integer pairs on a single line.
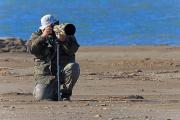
[[70, 75]]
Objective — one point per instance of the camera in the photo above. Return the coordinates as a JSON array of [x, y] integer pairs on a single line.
[[64, 29]]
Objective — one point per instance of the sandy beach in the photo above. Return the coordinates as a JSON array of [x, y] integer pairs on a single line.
[[116, 83]]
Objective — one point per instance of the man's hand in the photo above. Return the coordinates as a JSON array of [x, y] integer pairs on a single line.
[[47, 31], [60, 34], [61, 37]]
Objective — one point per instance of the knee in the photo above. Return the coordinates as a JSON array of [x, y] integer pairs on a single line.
[[76, 68], [73, 67], [72, 70]]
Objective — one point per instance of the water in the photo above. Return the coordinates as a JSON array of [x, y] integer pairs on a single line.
[[98, 22]]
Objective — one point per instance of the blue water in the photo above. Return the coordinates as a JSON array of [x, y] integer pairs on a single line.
[[98, 22]]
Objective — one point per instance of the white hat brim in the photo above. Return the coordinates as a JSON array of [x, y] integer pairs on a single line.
[[43, 27]]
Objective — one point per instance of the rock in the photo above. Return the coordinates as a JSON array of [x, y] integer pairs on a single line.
[[142, 90], [104, 108], [103, 105], [97, 116], [139, 70], [92, 74], [132, 74], [146, 117], [13, 107], [11, 44], [87, 104], [135, 98], [46, 107], [147, 59], [64, 105]]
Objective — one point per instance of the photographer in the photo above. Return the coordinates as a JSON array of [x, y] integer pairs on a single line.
[[42, 45]]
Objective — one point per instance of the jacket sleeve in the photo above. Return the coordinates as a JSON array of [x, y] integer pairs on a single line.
[[70, 45], [36, 43]]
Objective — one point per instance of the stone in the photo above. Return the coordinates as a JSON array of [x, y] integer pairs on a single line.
[[12, 44], [97, 116]]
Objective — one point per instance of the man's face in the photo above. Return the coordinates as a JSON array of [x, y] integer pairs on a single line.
[[49, 28]]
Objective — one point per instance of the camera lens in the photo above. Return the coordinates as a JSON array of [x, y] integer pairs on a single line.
[[70, 29]]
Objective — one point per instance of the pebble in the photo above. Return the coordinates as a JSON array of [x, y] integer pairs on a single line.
[[142, 90], [103, 105], [146, 117], [92, 74], [97, 116], [87, 104], [104, 108], [132, 74], [46, 107], [64, 105], [147, 58], [139, 70]]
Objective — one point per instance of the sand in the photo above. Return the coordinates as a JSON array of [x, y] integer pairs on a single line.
[[116, 83]]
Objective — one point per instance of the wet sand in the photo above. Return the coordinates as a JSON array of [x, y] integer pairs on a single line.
[[116, 83]]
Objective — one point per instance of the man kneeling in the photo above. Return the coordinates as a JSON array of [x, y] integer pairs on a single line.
[[42, 45]]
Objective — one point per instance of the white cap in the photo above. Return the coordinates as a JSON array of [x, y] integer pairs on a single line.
[[46, 20]]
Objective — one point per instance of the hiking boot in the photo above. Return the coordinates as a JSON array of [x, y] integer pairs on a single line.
[[66, 95], [66, 99]]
